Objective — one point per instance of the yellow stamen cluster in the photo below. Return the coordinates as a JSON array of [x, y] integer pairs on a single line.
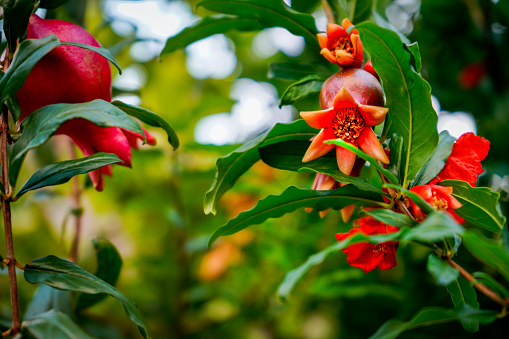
[[342, 44], [439, 203], [347, 124]]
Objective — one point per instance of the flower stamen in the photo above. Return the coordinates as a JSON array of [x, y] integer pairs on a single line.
[[347, 123], [342, 44]]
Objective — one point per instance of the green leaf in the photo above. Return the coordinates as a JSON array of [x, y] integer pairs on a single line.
[[47, 298], [28, 54], [269, 13], [209, 26], [489, 281], [67, 276], [295, 71], [54, 324], [61, 172], [230, 167], [101, 51], [293, 276], [364, 156], [13, 107], [471, 314], [44, 122], [51, 4], [275, 206], [151, 119], [390, 217], [396, 148], [109, 263], [490, 252], [437, 226], [462, 293], [423, 204], [340, 9], [437, 161], [16, 16], [443, 273], [480, 205], [416, 55], [361, 10], [303, 88], [408, 97], [358, 182]]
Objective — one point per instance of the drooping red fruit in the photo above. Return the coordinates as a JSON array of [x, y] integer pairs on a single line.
[[361, 85]]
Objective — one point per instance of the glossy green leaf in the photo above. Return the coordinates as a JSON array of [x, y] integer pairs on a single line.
[[101, 51], [488, 280], [51, 4], [462, 293], [480, 205], [48, 298], [295, 71], [293, 276], [54, 324], [269, 13], [13, 107], [151, 119], [67, 276], [490, 252], [109, 264], [361, 10], [309, 85], [390, 217], [396, 148], [209, 26], [62, 171], [408, 97], [275, 206], [437, 226], [230, 167], [443, 273], [437, 161], [28, 54], [16, 16], [44, 122], [364, 156], [416, 55]]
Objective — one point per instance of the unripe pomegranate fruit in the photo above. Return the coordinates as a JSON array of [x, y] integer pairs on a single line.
[[70, 74], [361, 85]]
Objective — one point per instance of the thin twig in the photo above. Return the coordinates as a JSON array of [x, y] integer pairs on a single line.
[[329, 13]]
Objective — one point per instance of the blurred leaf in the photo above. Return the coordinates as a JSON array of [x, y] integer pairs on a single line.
[[101, 51], [51, 4], [408, 98], [489, 281], [437, 226], [16, 16], [275, 206], [505, 238], [67, 276], [54, 324], [62, 171], [39, 126], [390, 217], [294, 71], [28, 54], [230, 167], [358, 182], [443, 273], [206, 27], [340, 9], [109, 263], [48, 298], [303, 88], [151, 119], [269, 13], [364, 156], [471, 314], [480, 205], [304, 5], [462, 293], [437, 161], [361, 10], [293, 276], [490, 252]]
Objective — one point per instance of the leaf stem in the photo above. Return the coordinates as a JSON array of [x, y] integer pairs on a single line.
[[6, 209], [328, 12]]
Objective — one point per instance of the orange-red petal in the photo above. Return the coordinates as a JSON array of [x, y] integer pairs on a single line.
[[322, 40], [317, 147], [328, 55], [343, 99], [358, 50], [345, 159], [369, 143], [373, 115], [318, 119]]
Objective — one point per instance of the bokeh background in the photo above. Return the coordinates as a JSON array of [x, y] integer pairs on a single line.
[[217, 93]]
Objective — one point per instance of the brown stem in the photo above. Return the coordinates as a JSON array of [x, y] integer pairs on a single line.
[[481, 287], [328, 12], [6, 207], [76, 194]]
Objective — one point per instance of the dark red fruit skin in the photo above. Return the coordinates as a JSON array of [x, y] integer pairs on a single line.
[[67, 74], [361, 85]]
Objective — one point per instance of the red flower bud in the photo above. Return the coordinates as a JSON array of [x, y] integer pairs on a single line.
[[440, 197]]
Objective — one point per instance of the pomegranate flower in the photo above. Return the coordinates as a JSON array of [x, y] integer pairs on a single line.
[[351, 122], [341, 48], [440, 197], [369, 256], [464, 163]]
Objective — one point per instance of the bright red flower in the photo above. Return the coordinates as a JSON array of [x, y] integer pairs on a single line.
[[341, 48], [472, 75], [351, 122], [464, 163], [368, 67], [369, 256], [440, 197]]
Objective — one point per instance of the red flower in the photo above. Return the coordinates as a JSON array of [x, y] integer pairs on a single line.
[[341, 48], [472, 75], [368, 67], [370, 256], [351, 122], [464, 163], [440, 197]]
